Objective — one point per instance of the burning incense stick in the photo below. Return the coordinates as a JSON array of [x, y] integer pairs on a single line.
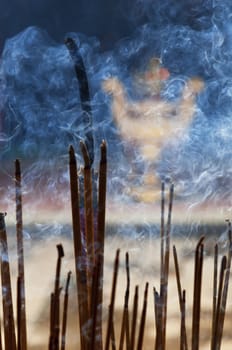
[[100, 234], [84, 94], [81, 276], [22, 336], [89, 218], [8, 314]]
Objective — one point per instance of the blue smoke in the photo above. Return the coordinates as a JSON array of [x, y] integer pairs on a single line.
[[41, 108]]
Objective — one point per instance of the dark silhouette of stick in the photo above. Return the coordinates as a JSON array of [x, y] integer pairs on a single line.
[[84, 94], [100, 236], [89, 218], [112, 301], [125, 316], [197, 294], [181, 295], [96, 335], [143, 320], [55, 304], [22, 340], [164, 279], [134, 317], [81, 276], [8, 314], [215, 292], [65, 312]]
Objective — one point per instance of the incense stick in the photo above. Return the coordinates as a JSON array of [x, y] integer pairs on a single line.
[[20, 250], [55, 304], [182, 301], [125, 316], [215, 282], [143, 319], [8, 314], [112, 301], [134, 317], [96, 341], [89, 218], [81, 277], [164, 278], [65, 312], [100, 235], [197, 294], [84, 94]]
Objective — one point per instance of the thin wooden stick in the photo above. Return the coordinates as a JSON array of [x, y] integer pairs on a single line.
[[89, 217], [50, 345], [65, 312], [8, 314], [162, 232], [96, 343], [143, 319], [100, 237], [164, 286], [197, 294], [20, 251], [183, 333], [112, 337], [19, 309], [219, 297], [84, 94], [158, 320], [177, 270], [81, 278], [134, 318], [112, 301], [1, 347], [222, 312], [181, 295], [229, 255], [215, 282], [220, 308], [55, 328], [125, 318]]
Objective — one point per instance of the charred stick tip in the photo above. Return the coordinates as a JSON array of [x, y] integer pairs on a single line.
[[68, 281], [60, 250], [17, 167], [71, 44], [103, 151], [200, 242], [72, 157], [2, 221]]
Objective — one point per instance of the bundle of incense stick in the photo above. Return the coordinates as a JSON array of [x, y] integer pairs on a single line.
[[89, 259]]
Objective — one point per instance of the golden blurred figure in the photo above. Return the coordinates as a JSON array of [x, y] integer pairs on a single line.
[[151, 123]]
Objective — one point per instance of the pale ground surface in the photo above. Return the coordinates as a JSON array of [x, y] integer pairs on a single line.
[[40, 263]]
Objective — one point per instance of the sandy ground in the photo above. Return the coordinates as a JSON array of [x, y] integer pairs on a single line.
[[40, 264]]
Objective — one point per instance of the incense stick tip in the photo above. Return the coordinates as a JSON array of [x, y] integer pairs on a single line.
[[72, 157], [17, 167], [60, 250]]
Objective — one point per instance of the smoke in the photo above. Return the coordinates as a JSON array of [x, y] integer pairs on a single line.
[[41, 113]]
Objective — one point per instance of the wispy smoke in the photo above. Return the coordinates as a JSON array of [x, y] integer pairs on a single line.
[[41, 113]]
